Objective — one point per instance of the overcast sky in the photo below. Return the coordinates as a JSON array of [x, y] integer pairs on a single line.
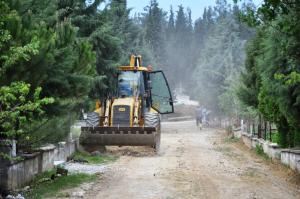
[[197, 6]]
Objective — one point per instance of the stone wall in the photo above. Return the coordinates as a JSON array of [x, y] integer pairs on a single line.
[[291, 158], [22, 172], [287, 157], [14, 175]]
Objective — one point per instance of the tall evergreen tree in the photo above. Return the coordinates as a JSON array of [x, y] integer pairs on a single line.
[[53, 59], [183, 46], [96, 26], [155, 30], [171, 23]]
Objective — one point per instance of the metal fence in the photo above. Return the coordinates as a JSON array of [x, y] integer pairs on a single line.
[[260, 128]]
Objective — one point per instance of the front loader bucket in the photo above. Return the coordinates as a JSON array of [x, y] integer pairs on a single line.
[[119, 136]]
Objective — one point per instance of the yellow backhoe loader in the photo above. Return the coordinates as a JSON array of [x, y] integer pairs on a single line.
[[132, 116]]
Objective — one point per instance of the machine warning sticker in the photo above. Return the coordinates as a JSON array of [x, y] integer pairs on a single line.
[[122, 109]]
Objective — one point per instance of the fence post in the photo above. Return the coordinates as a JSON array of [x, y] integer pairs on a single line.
[[259, 126], [253, 129], [265, 130], [242, 124], [270, 131]]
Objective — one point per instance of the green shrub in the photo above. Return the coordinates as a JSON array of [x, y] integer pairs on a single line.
[[99, 159], [260, 151]]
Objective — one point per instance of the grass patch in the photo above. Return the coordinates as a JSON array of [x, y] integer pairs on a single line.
[[227, 151], [43, 186], [86, 157], [260, 151], [231, 139], [223, 149]]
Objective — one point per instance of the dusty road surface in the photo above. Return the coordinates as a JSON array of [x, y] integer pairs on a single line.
[[192, 164]]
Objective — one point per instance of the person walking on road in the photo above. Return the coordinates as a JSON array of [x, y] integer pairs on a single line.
[[199, 116]]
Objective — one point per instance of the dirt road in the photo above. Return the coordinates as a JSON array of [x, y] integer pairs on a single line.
[[192, 164]]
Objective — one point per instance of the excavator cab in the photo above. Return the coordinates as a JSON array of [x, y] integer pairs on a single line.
[[132, 117], [129, 84]]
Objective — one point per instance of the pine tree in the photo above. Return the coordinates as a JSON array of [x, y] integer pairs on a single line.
[[154, 31], [171, 23], [182, 47], [97, 27], [55, 60]]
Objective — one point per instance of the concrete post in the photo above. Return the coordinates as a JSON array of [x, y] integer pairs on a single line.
[[14, 148], [242, 125]]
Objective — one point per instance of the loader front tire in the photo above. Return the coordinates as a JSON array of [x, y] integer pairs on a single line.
[[153, 120], [157, 139], [92, 119]]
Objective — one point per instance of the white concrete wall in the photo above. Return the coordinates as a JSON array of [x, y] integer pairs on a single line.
[[20, 173], [60, 152], [47, 157], [287, 157], [265, 146], [274, 151], [291, 158]]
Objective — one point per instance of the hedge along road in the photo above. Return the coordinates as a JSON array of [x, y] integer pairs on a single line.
[[193, 164]]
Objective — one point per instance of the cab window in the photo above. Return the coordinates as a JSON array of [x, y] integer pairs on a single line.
[[129, 83]]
